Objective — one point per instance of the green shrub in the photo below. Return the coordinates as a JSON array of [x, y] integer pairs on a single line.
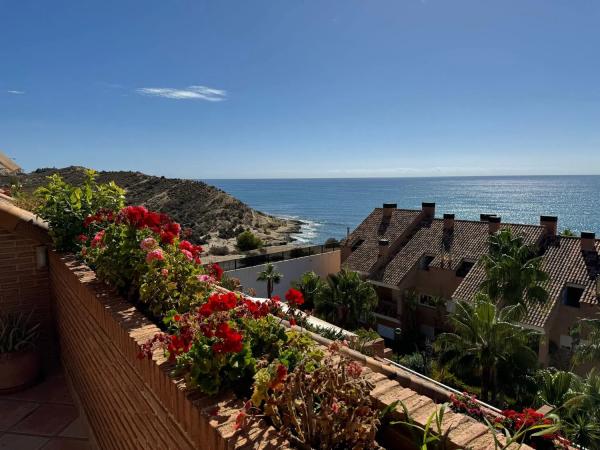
[[65, 206], [248, 241], [218, 250]]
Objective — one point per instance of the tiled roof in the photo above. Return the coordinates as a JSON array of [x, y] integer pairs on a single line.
[[371, 230], [565, 263], [468, 241]]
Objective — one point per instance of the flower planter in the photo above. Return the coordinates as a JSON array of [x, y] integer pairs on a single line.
[[18, 370]]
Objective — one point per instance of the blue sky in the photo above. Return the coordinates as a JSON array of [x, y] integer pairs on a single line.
[[228, 89]]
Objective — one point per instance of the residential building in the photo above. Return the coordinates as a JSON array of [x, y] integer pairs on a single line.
[[421, 266]]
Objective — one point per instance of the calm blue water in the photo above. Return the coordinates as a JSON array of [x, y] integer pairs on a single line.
[[330, 205]]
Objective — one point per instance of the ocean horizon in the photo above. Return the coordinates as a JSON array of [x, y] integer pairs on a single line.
[[328, 207]]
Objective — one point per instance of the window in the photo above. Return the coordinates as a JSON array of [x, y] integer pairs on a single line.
[[426, 300], [566, 341], [571, 296], [425, 261], [357, 244], [464, 268]]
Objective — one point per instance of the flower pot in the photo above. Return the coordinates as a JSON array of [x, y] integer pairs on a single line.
[[18, 370]]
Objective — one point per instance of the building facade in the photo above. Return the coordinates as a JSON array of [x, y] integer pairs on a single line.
[[421, 266]]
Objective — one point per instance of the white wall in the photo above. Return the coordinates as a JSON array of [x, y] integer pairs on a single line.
[[322, 264]]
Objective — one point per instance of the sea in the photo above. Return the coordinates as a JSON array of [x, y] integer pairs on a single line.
[[329, 208]]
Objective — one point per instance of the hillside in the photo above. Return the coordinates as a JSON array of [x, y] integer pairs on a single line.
[[214, 216]]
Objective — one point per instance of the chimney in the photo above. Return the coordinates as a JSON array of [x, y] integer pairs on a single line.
[[428, 209], [549, 223], [448, 222], [388, 209], [484, 217], [494, 224], [384, 245], [587, 241]]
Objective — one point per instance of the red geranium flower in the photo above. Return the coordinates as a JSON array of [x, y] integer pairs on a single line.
[[216, 272], [294, 297]]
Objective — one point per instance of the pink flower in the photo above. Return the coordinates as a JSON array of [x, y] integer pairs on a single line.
[[148, 244], [164, 273], [98, 239], [205, 279], [188, 254], [156, 254]]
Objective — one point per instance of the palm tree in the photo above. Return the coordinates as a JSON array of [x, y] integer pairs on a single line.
[[581, 417], [310, 284], [513, 272], [587, 350], [555, 387], [271, 276], [346, 300], [485, 337]]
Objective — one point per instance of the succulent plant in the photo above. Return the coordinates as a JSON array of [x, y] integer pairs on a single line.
[[17, 332]]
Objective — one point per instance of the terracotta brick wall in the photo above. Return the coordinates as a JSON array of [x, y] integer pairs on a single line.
[[131, 403], [25, 287]]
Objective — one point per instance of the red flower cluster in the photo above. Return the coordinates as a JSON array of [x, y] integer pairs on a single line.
[[174, 344], [216, 272], [97, 241], [191, 251], [230, 340], [527, 418], [259, 309], [294, 297], [139, 217], [102, 215], [467, 404], [218, 302]]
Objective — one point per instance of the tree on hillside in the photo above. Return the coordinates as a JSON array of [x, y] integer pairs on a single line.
[[272, 276], [310, 284], [486, 337], [346, 300], [513, 271]]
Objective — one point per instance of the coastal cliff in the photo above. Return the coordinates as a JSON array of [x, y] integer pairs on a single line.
[[213, 216]]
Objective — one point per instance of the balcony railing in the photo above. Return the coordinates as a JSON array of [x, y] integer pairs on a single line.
[[257, 260]]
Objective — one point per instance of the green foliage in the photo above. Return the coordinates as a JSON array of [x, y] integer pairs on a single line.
[[567, 233], [586, 335], [248, 241], [513, 272], [346, 300], [432, 436], [118, 259], [485, 338], [230, 283], [266, 335], [212, 373], [555, 387], [332, 243], [17, 332], [66, 206], [310, 284], [333, 334], [272, 276], [417, 361], [300, 347]]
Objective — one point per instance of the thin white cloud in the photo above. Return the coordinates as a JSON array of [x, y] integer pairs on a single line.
[[189, 93], [15, 92]]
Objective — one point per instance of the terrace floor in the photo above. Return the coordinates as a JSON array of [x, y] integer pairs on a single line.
[[43, 416]]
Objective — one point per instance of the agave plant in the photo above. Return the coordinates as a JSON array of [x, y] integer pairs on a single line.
[[17, 332]]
